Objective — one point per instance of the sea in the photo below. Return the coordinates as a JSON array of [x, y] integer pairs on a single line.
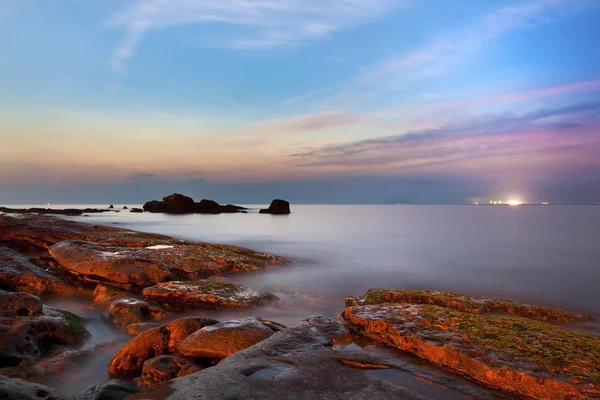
[[541, 254]]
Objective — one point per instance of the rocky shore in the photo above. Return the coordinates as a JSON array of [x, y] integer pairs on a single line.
[[156, 289]]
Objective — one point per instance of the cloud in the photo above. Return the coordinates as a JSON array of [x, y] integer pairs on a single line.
[[533, 133], [266, 23]]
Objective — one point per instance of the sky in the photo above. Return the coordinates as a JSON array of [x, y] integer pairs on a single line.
[[337, 101]]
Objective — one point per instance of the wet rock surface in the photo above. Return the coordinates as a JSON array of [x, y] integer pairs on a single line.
[[19, 274], [181, 295], [17, 389], [128, 362], [30, 331], [277, 207], [301, 362], [113, 389], [163, 368], [226, 338], [129, 310], [136, 329], [524, 356]]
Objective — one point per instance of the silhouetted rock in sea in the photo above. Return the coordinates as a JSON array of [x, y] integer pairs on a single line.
[[180, 204], [277, 207], [136, 210], [111, 206], [36, 210]]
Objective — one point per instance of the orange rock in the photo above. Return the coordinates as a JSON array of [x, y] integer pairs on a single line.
[[163, 368], [140, 327], [18, 273], [226, 338], [128, 362], [503, 352], [204, 293], [128, 310]]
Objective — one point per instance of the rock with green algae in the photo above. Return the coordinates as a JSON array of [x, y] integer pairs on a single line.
[[204, 293], [525, 356], [465, 303], [34, 329]]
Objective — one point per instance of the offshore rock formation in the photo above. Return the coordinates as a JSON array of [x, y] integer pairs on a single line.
[[277, 207], [181, 295], [518, 353], [180, 204]]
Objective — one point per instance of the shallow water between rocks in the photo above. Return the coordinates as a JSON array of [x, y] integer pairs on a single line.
[[539, 254]]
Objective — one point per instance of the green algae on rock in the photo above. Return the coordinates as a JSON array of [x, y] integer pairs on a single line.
[[465, 303], [204, 293], [525, 356]]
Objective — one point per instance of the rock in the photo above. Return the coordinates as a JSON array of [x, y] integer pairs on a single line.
[[173, 204], [18, 274], [226, 338], [133, 268], [109, 264], [66, 211], [181, 295], [301, 362], [17, 389], [104, 296], [231, 209], [128, 362], [113, 389], [16, 305], [70, 360], [129, 310], [111, 206], [163, 368], [136, 210], [278, 207], [155, 206], [465, 303], [42, 231], [524, 356], [140, 327], [207, 207], [125, 208], [32, 332]]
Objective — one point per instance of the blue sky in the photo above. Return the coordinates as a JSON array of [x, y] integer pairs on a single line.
[[495, 95]]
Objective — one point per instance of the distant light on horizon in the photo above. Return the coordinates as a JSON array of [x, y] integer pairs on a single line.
[[514, 202]]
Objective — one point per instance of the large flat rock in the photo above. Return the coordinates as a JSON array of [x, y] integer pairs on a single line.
[[524, 356], [204, 293], [299, 363], [139, 267]]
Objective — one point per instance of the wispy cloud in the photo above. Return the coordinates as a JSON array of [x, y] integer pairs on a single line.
[[267, 23], [535, 134]]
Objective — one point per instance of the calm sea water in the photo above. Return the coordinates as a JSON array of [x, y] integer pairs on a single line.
[[540, 254]]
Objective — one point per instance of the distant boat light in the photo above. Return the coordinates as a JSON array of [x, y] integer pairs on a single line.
[[515, 202]]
